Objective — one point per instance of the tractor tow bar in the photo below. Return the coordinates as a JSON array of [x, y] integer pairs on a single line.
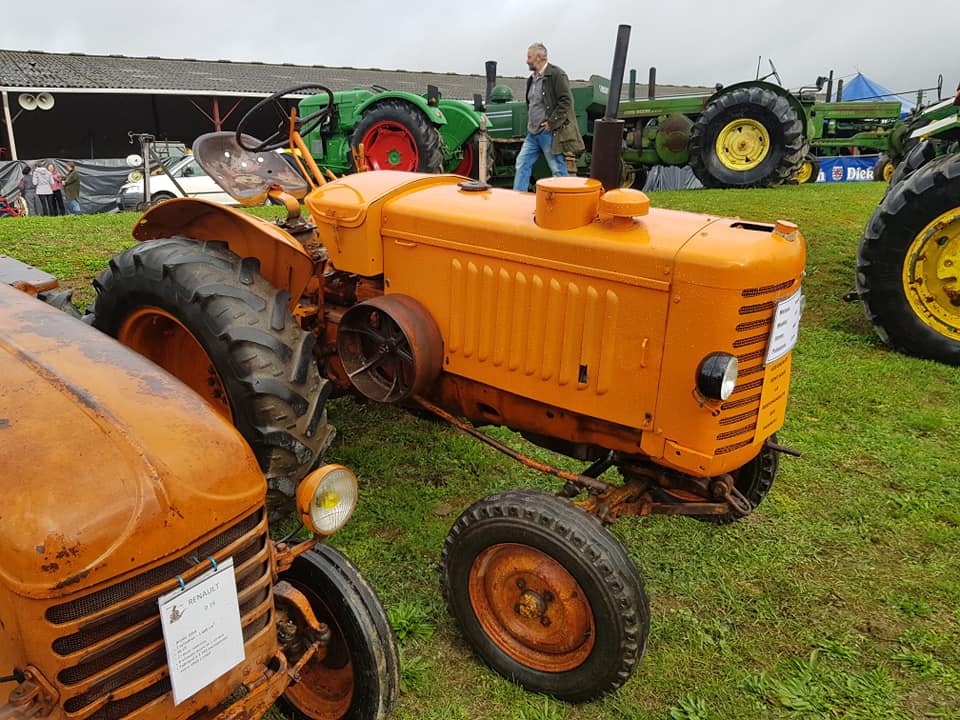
[[578, 481]]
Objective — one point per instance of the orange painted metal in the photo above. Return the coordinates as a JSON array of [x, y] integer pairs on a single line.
[[162, 338], [121, 482], [531, 607], [283, 261]]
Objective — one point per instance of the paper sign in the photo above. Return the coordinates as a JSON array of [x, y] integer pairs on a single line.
[[202, 631], [786, 326]]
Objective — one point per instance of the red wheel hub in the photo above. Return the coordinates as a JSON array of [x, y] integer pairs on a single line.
[[466, 165], [388, 145]]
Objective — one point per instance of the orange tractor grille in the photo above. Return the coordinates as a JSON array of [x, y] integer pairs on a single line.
[[115, 636], [738, 415]]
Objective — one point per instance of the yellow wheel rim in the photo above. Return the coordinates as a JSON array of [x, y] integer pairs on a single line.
[[743, 144], [931, 274], [805, 172], [888, 170]]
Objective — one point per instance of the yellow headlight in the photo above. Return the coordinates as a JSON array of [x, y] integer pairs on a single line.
[[326, 499]]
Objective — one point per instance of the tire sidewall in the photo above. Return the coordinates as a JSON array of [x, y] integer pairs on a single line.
[[412, 119], [597, 670], [359, 616], [736, 112], [907, 208]]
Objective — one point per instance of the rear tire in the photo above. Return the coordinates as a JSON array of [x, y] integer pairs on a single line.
[[209, 317], [360, 676], [397, 136], [545, 595], [747, 137], [921, 153], [906, 278]]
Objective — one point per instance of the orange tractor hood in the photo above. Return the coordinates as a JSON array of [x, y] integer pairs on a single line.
[[109, 463]]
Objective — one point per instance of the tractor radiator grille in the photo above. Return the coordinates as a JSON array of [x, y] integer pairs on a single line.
[[112, 639], [738, 415]]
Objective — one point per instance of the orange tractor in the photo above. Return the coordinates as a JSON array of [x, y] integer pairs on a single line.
[[138, 577], [649, 342]]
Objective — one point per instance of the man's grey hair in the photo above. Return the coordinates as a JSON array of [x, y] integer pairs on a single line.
[[539, 49]]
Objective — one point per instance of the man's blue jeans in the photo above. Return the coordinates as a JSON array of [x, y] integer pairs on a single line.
[[533, 145], [73, 207]]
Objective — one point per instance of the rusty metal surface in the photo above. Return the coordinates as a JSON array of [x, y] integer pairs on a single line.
[[390, 348], [531, 607], [142, 453], [25, 278], [582, 481]]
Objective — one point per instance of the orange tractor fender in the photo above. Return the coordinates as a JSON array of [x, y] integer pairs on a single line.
[[283, 261]]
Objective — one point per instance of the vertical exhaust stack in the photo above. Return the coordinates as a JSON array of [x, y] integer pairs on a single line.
[[606, 161], [652, 84], [840, 90], [491, 68], [830, 86]]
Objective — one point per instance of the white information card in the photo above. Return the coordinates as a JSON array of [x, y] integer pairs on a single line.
[[201, 630]]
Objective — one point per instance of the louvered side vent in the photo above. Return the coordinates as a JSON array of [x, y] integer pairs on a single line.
[[526, 322], [738, 415], [113, 639]]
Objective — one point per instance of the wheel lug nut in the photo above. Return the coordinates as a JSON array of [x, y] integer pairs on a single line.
[[521, 583], [544, 620], [548, 596]]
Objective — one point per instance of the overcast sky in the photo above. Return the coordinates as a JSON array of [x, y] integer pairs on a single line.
[[899, 44]]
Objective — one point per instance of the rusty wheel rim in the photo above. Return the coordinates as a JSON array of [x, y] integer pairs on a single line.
[[162, 338], [325, 688], [531, 607]]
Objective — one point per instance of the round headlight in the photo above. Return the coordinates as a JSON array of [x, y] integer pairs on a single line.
[[326, 499], [717, 376]]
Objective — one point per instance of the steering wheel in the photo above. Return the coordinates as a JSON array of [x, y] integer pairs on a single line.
[[280, 137]]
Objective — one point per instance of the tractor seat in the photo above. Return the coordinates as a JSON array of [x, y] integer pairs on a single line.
[[246, 176]]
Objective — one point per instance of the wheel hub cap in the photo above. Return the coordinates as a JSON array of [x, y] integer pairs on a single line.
[[931, 274], [743, 144], [531, 607]]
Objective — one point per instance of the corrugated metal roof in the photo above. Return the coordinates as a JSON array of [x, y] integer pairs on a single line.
[[33, 70]]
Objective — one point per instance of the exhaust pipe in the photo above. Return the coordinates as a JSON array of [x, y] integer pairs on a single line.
[[491, 68], [606, 161]]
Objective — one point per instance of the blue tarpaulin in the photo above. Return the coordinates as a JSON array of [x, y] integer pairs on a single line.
[[860, 87]]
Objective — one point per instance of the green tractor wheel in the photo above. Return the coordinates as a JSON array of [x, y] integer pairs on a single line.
[[748, 137], [396, 136], [908, 263]]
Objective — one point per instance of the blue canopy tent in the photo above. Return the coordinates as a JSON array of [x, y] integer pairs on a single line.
[[860, 87]]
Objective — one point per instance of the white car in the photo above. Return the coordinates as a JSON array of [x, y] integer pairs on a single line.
[[188, 174]]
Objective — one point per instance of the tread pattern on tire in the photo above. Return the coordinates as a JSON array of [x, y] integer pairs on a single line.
[[429, 145], [788, 144], [264, 359], [906, 209], [593, 543]]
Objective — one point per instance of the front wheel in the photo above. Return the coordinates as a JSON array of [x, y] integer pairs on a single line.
[[359, 676], [747, 137], [545, 594], [908, 263], [883, 168]]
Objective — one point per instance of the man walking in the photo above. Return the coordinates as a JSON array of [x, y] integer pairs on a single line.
[[551, 119]]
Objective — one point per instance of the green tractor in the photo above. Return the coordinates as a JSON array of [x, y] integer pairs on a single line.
[[908, 260], [750, 134], [397, 131]]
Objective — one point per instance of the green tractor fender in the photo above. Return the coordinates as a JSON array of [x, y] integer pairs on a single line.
[[433, 114], [799, 107]]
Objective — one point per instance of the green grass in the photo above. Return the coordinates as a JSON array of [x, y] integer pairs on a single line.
[[839, 598]]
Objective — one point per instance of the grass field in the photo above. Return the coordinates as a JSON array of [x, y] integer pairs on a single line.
[[838, 598]]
